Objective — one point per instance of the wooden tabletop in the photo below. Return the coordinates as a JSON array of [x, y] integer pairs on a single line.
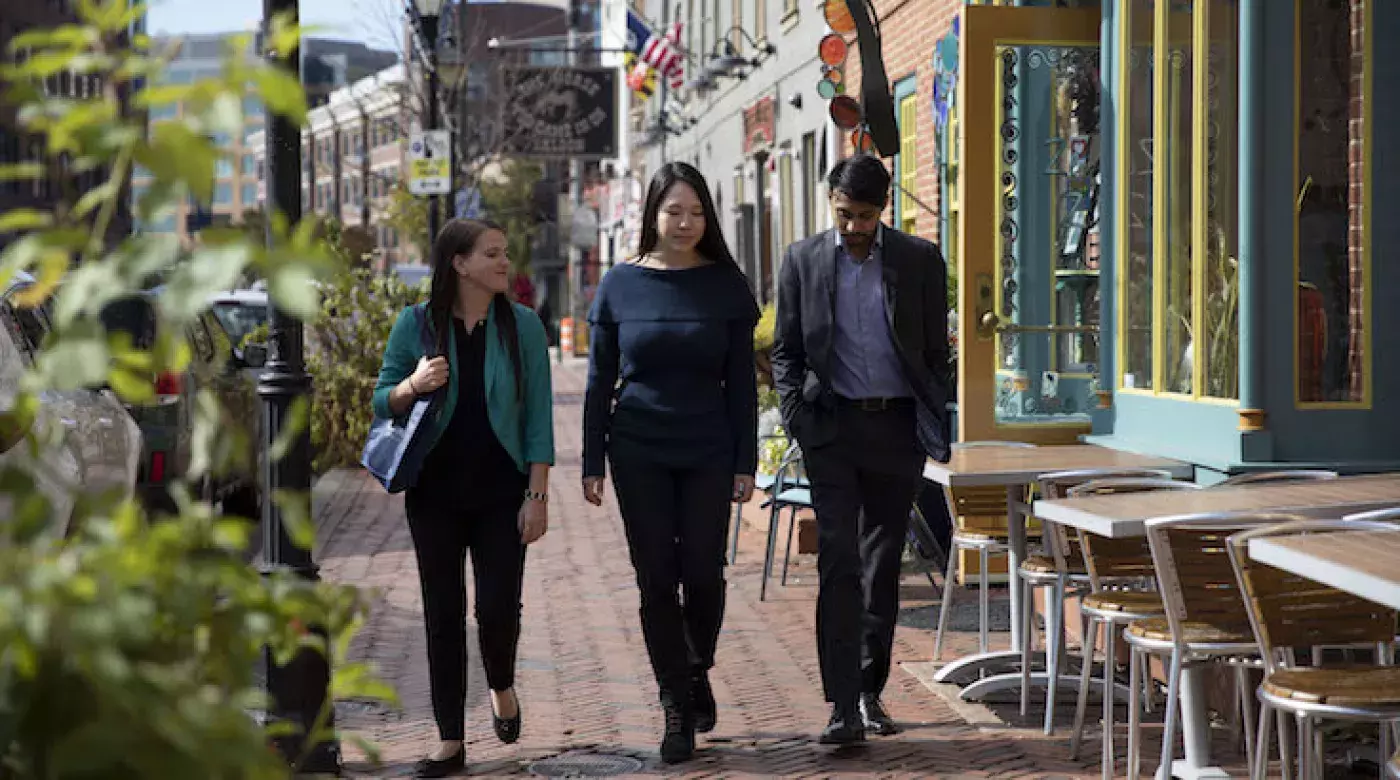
[[1024, 465], [1362, 563], [1123, 515]]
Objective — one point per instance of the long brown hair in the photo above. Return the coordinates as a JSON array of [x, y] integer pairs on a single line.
[[459, 237]]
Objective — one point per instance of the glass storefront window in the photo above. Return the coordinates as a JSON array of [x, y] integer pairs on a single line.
[[1221, 356], [1179, 289], [1136, 238], [1331, 177], [1173, 178]]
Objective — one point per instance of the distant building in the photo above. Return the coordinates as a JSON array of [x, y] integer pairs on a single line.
[[326, 66], [353, 152], [16, 146]]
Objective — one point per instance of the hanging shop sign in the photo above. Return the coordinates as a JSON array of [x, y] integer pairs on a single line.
[[760, 125], [561, 112]]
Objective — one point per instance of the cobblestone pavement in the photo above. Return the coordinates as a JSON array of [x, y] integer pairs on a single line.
[[584, 681]]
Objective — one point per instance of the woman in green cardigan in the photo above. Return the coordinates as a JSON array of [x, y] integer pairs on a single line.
[[483, 486]]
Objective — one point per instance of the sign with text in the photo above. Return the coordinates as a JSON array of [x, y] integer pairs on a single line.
[[561, 112], [430, 163]]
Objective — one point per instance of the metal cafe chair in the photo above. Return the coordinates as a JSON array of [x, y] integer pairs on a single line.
[[1060, 570], [1288, 612], [1121, 579], [979, 524], [1205, 622], [1267, 477]]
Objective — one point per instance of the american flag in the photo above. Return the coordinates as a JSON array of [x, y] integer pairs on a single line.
[[662, 53]]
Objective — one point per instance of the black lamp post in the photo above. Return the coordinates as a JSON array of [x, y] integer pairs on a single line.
[[428, 11], [300, 689]]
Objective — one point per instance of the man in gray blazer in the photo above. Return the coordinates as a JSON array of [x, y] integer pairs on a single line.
[[860, 361]]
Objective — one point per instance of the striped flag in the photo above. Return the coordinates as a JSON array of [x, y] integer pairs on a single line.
[[654, 52]]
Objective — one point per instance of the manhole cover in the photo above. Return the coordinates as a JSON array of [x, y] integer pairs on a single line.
[[585, 765]]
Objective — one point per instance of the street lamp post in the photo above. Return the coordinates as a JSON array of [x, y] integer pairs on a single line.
[[428, 11], [299, 690]]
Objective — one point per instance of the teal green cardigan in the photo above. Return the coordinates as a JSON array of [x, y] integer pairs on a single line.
[[528, 440]]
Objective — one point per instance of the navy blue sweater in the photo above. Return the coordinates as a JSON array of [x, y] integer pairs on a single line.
[[682, 344]]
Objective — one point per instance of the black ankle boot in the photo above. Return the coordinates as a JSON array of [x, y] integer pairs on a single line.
[[678, 744], [702, 701]]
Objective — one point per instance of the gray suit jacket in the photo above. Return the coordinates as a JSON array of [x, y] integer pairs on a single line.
[[916, 304]]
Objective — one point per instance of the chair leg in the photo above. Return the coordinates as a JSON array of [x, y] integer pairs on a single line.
[[948, 587], [1259, 769], [1027, 633], [769, 551], [1055, 641], [1081, 707], [984, 586], [734, 533], [1385, 746], [1307, 749], [1110, 644], [787, 553], [1135, 658], [1286, 753], [1246, 696], [1170, 716]]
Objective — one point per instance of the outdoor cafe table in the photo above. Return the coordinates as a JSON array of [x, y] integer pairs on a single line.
[[1365, 564], [1016, 468], [1125, 515]]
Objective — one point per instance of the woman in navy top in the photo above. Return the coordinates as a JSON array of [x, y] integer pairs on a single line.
[[672, 403]]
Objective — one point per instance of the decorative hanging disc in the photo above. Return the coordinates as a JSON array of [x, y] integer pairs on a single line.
[[834, 75], [833, 49], [845, 111], [826, 90], [838, 17], [862, 141]]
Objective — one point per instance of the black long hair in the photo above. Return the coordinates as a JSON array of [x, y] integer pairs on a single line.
[[459, 237], [712, 246]]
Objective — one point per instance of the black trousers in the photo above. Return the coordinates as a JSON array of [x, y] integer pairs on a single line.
[[675, 521], [444, 529], [863, 486]]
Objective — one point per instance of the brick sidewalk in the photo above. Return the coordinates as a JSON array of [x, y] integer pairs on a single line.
[[584, 681]]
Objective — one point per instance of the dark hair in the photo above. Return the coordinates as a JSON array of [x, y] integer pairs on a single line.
[[712, 246], [459, 237], [863, 179]]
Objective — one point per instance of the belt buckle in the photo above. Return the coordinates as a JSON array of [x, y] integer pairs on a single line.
[[872, 404]]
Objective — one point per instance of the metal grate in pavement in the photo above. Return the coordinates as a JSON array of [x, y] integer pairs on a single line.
[[585, 765]]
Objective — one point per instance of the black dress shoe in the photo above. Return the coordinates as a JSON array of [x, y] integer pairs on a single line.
[[873, 715], [507, 729], [702, 702], [845, 728], [442, 767], [678, 743]]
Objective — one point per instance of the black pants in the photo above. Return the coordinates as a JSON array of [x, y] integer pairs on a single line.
[[443, 529], [863, 486], [675, 521]]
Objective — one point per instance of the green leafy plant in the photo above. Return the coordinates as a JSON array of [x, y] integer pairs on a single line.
[[346, 346], [130, 645]]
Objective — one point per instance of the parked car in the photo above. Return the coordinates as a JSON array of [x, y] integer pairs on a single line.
[[240, 313], [99, 447], [167, 421]]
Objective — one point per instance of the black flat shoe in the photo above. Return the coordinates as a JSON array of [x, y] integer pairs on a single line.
[[442, 767], [507, 729]]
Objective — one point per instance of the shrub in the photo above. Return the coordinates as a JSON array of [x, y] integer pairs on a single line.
[[130, 646], [345, 348]]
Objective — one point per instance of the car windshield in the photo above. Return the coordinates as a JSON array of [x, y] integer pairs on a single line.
[[240, 319]]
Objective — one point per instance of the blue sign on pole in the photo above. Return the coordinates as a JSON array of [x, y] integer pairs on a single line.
[[467, 203]]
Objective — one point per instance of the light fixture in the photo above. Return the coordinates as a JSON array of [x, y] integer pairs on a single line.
[[428, 7]]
